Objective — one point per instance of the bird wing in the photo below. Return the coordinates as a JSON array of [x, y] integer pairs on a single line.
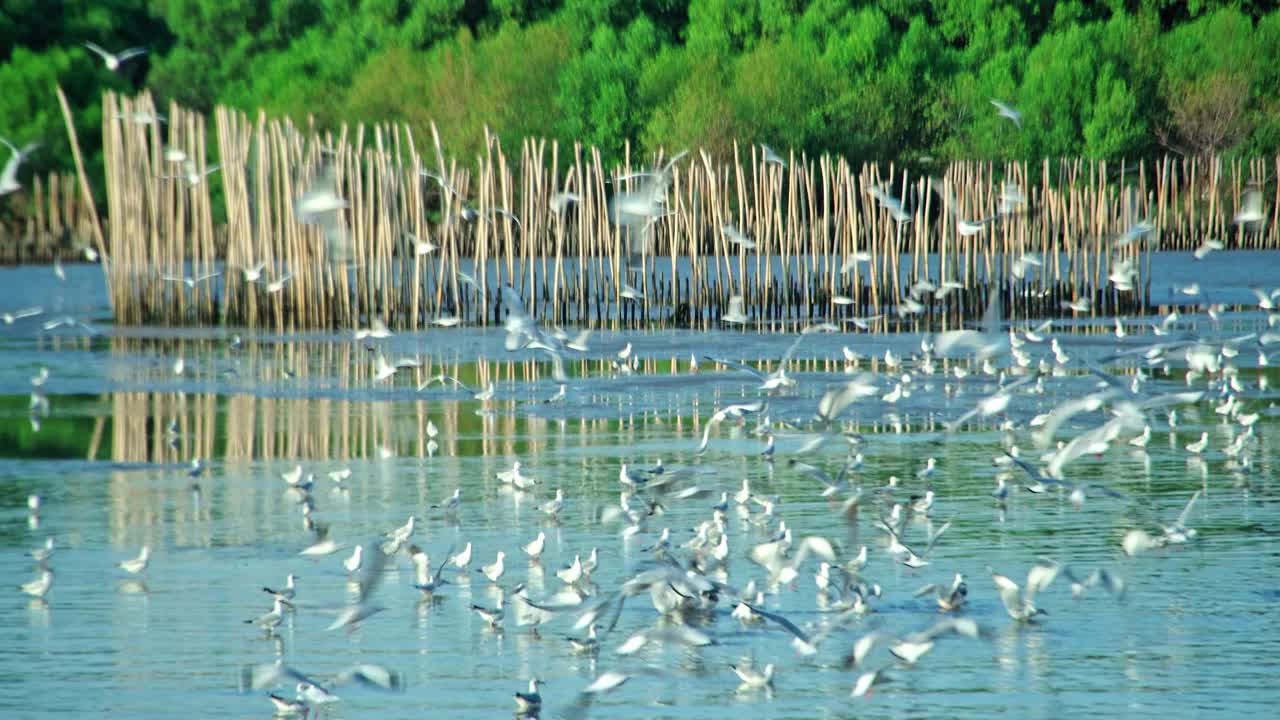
[[791, 350], [1041, 575], [1186, 511], [131, 53], [371, 570], [101, 53], [780, 620], [737, 366], [371, 675], [264, 675], [1009, 592]]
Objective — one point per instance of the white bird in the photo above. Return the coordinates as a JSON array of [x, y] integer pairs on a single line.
[[1008, 112], [12, 317], [270, 620], [277, 285], [1020, 604], [495, 569], [377, 330], [768, 155], [353, 563], [1250, 209], [284, 707], [191, 174], [1199, 446], [572, 574], [383, 370], [9, 176], [462, 560], [451, 504], [737, 237], [529, 703], [139, 564], [39, 587], [1178, 532], [114, 60], [736, 313], [44, 552], [866, 681], [420, 247], [535, 547], [1139, 541], [190, 282], [553, 507], [753, 679], [288, 592]]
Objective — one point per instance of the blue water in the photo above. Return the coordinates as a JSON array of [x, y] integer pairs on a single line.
[[1195, 633]]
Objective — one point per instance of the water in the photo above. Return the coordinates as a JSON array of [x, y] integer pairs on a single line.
[[1195, 633]]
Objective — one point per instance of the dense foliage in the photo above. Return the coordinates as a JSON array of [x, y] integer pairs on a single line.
[[883, 79]]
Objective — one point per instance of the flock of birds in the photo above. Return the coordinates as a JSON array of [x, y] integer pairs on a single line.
[[683, 593], [691, 589]]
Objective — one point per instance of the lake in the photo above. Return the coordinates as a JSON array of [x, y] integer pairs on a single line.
[[1194, 632]]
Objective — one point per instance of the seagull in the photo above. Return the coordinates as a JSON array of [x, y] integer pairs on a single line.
[[9, 176], [1139, 541], [139, 564], [737, 237], [114, 60], [44, 552], [1178, 532], [493, 570], [269, 621], [1008, 112], [377, 330], [462, 560], [949, 599], [572, 574], [736, 313], [1199, 446], [191, 174], [492, 616], [384, 370], [1020, 604], [1250, 212], [190, 282], [553, 507], [774, 380], [866, 681], [535, 547], [353, 563], [288, 708], [39, 587], [277, 285], [891, 204], [451, 504], [420, 247], [310, 691], [12, 317], [768, 155], [361, 607], [529, 703], [427, 582], [754, 679], [288, 592]]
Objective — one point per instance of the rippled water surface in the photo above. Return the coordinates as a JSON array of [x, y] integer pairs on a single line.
[[1194, 634]]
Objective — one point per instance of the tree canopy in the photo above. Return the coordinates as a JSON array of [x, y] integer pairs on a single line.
[[885, 79]]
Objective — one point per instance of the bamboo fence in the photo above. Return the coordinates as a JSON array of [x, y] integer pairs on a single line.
[[824, 248]]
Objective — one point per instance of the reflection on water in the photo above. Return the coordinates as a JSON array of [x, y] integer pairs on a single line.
[[111, 461]]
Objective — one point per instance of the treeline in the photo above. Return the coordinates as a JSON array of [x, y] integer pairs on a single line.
[[887, 80]]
